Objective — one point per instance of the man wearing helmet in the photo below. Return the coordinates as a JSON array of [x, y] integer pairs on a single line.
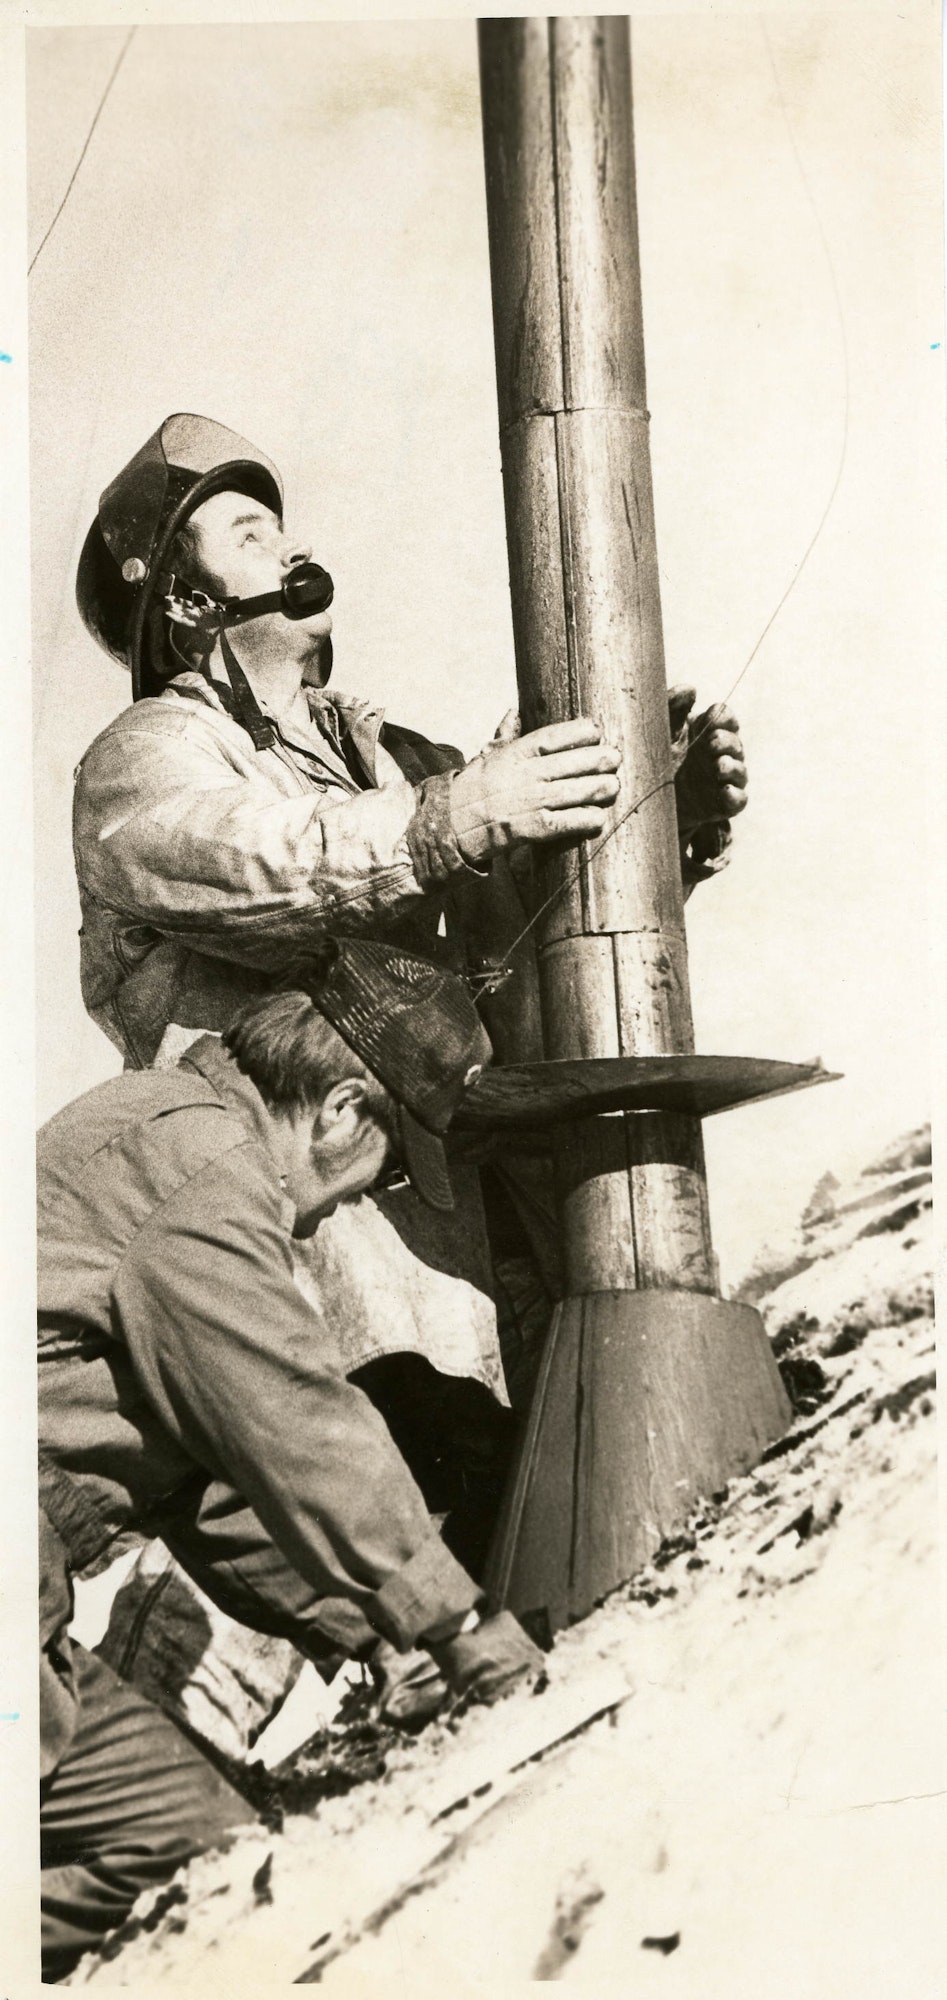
[[238, 810]]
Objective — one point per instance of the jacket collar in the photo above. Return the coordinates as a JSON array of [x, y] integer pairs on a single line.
[[341, 715], [337, 715], [234, 1091]]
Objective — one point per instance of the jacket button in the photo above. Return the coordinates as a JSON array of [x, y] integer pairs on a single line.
[[134, 570]]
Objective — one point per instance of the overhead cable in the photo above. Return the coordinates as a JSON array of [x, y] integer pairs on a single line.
[[100, 107]]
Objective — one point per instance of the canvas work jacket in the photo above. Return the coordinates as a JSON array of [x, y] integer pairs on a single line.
[[204, 868], [186, 1387], [204, 865]]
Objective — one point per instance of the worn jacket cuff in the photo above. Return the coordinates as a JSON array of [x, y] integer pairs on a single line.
[[432, 842], [430, 1589], [705, 852]]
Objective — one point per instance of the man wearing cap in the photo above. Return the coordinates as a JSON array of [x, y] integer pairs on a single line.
[[239, 809], [185, 1392]]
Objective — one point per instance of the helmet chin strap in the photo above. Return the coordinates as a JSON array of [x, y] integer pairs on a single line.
[[247, 707]]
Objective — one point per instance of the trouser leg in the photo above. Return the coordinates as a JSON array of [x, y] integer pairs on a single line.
[[527, 1278], [220, 1678], [131, 1799]]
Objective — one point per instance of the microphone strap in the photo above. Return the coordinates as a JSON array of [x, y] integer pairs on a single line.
[[246, 706]]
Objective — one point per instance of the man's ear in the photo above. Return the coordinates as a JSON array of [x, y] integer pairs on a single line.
[[341, 1113]]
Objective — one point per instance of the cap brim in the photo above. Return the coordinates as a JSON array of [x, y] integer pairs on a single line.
[[425, 1161]]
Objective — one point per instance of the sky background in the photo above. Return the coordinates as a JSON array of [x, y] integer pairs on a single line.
[[283, 227]]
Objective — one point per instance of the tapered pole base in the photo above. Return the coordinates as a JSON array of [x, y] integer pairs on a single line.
[[645, 1402]]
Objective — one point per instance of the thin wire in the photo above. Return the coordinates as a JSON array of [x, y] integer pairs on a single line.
[[488, 982], [100, 107], [840, 315]]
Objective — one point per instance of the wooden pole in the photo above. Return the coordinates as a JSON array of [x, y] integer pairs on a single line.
[[626, 1370]]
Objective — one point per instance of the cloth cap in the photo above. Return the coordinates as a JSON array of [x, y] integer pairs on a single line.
[[416, 1028]]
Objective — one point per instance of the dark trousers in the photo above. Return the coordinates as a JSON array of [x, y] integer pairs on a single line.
[[130, 1799]]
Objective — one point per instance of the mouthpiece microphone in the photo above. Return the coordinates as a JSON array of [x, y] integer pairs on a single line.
[[306, 590]]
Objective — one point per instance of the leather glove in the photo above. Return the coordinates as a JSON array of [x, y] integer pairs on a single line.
[[707, 754], [410, 1686], [557, 783], [488, 1663]]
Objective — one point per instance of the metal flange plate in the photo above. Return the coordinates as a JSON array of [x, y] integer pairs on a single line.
[[528, 1095]]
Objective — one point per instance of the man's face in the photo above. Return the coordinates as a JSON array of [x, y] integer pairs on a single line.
[[332, 1158], [245, 546]]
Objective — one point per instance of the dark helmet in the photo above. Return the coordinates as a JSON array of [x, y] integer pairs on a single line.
[[126, 548]]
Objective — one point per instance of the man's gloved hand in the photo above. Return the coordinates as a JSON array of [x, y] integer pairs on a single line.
[[410, 1686], [710, 781], [557, 783], [489, 1662]]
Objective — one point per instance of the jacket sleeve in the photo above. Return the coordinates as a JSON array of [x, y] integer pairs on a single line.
[[169, 831], [230, 1356], [224, 1546]]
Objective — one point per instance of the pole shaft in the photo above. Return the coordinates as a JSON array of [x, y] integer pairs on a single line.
[[561, 206]]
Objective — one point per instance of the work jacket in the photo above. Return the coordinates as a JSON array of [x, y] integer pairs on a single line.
[[205, 867], [188, 1390]]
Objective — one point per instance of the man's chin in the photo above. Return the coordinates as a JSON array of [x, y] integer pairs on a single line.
[[306, 1225], [317, 628]]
